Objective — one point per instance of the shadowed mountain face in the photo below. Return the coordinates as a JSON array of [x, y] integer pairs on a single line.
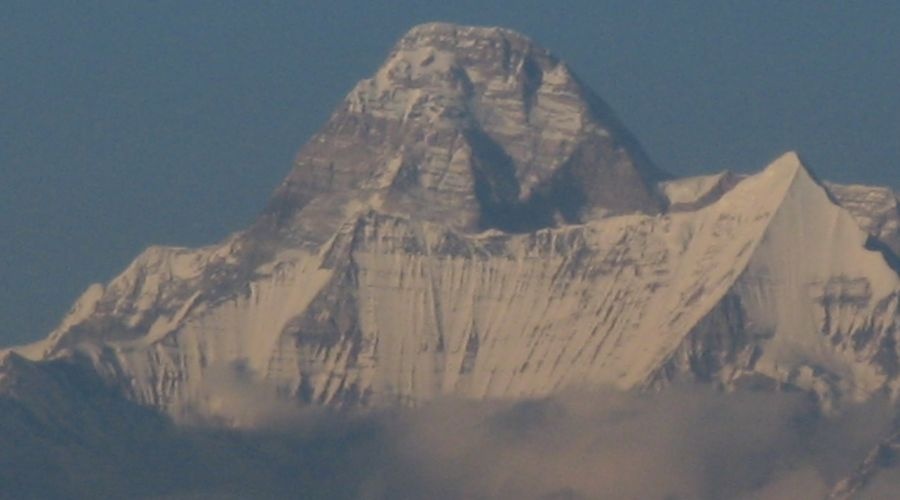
[[473, 223], [66, 433], [474, 128], [876, 208]]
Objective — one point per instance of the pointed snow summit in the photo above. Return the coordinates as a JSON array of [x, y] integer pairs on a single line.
[[474, 128], [770, 283], [472, 221]]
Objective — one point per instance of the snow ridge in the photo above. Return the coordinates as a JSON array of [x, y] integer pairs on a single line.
[[631, 301], [473, 222]]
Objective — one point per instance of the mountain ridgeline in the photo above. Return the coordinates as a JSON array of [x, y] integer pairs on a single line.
[[472, 128], [474, 222]]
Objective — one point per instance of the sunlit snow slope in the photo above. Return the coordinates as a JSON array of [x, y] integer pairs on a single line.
[[472, 221], [772, 284]]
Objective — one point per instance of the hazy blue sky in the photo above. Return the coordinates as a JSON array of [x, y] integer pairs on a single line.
[[125, 124]]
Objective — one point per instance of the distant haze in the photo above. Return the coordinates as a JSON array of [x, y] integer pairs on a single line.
[[126, 124]]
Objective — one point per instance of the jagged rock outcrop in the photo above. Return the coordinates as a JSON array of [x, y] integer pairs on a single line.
[[474, 128], [398, 309], [877, 210], [473, 221]]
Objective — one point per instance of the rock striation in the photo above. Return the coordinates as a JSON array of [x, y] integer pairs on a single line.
[[473, 221], [474, 128]]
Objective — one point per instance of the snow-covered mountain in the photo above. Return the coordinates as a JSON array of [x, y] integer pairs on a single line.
[[473, 221], [876, 209]]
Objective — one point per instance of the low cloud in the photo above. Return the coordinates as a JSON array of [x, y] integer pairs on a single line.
[[686, 442], [683, 443], [234, 396]]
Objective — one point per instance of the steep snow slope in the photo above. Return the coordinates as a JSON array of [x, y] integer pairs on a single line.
[[393, 309], [473, 221], [815, 307]]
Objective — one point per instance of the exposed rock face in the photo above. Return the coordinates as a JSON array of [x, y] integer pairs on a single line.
[[472, 221], [396, 309], [877, 210], [470, 127]]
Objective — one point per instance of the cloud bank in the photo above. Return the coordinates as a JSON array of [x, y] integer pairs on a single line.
[[686, 442]]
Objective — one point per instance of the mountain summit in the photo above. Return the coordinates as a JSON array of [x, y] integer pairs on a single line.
[[475, 128], [473, 222]]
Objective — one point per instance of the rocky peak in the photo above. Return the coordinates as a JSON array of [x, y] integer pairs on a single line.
[[450, 75], [474, 128], [876, 209]]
